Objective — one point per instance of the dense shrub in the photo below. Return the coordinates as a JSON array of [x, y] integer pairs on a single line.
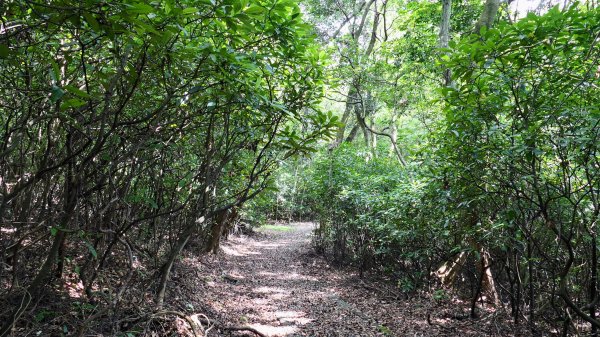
[[372, 213]]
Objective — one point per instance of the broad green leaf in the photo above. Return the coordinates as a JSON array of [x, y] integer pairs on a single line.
[[77, 92], [56, 93], [91, 249], [4, 51], [91, 20], [190, 10], [140, 8], [255, 10], [72, 103]]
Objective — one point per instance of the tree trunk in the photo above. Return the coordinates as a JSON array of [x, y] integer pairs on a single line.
[[216, 231], [488, 15], [488, 284], [353, 96], [444, 36], [448, 271], [165, 271], [531, 290], [350, 104], [352, 134]]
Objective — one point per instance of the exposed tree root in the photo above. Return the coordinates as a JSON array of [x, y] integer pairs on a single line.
[[244, 328], [196, 322]]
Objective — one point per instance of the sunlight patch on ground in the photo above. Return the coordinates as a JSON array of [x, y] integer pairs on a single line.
[[273, 292], [276, 228], [74, 288], [269, 290], [292, 317], [265, 283], [265, 245], [238, 251], [270, 330], [288, 276], [289, 322]]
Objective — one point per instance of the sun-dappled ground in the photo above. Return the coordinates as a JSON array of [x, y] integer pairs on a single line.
[[274, 283]]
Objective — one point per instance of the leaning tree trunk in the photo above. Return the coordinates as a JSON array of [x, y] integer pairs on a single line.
[[165, 270]]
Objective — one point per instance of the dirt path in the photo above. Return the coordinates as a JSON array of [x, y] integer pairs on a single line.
[[274, 283]]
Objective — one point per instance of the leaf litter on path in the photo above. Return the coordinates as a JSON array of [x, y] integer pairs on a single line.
[[274, 283]]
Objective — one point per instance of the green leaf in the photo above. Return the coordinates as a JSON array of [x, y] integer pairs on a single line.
[[168, 6], [4, 51], [254, 10], [91, 20], [143, 27], [55, 73], [91, 249], [140, 8], [77, 92], [56, 94], [190, 10], [186, 180], [72, 103]]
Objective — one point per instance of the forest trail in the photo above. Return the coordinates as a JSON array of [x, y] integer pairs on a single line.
[[273, 282]]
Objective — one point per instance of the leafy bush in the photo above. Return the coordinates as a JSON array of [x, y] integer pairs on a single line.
[[371, 212], [521, 146]]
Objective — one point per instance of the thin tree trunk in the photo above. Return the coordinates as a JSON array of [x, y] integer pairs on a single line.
[[531, 290], [352, 134], [593, 282], [350, 103], [166, 268], [444, 36], [45, 272]]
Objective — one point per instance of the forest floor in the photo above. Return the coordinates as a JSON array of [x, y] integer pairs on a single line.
[[274, 283]]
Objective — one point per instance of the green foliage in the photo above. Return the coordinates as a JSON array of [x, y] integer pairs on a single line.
[[129, 126], [385, 330], [133, 121], [522, 117], [509, 168], [44, 314], [520, 145], [371, 211], [440, 294]]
